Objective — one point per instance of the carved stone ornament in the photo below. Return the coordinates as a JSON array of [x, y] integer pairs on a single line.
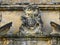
[[31, 21]]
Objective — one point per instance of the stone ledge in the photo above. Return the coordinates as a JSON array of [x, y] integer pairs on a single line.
[[20, 7]]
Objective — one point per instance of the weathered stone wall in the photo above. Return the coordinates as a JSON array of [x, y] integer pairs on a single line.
[[28, 1], [12, 16], [15, 17]]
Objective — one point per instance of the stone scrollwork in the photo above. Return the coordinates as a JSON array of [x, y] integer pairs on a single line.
[[55, 27], [31, 21]]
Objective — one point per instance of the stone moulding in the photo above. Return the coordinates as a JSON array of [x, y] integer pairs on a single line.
[[20, 7]]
